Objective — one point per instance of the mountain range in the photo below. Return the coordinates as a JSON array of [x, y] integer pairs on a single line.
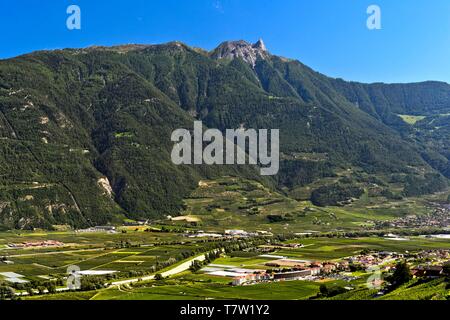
[[85, 133]]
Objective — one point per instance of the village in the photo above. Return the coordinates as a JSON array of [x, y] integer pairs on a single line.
[[438, 218], [36, 244], [423, 264]]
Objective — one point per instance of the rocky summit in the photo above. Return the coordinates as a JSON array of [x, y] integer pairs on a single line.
[[241, 49]]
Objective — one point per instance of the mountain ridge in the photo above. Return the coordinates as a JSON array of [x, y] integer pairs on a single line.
[[80, 116]]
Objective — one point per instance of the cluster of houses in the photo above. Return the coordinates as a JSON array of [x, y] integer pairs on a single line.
[[365, 261], [234, 233], [261, 276], [284, 269], [431, 255], [433, 267], [204, 235], [34, 244], [290, 269], [243, 276], [98, 229], [439, 218], [265, 276], [314, 267], [433, 263], [428, 271], [283, 246], [240, 233], [289, 274]]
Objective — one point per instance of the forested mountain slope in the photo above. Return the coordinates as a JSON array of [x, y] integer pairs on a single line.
[[85, 133]]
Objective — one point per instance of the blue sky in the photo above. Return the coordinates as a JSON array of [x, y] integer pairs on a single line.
[[328, 35]]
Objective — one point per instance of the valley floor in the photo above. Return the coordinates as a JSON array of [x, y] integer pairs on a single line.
[[229, 244], [213, 280]]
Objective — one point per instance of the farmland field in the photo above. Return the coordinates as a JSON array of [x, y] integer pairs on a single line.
[[282, 226], [294, 290], [94, 251]]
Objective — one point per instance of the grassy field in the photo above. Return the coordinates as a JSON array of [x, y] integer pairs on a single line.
[[411, 119]]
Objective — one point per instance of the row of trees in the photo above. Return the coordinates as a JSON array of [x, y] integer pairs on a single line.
[[209, 257]]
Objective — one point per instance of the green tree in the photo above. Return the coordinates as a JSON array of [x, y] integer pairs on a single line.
[[323, 290], [447, 268], [195, 266], [6, 293], [402, 274], [51, 288]]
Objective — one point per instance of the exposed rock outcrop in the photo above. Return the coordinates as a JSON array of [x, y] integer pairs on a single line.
[[241, 49]]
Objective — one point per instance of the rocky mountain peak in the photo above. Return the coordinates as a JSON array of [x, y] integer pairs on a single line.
[[241, 49], [260, 45]]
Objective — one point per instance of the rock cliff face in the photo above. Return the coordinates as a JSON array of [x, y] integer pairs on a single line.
[[241, 49]]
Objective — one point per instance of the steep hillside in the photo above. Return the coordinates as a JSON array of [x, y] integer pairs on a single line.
[[393, 103]]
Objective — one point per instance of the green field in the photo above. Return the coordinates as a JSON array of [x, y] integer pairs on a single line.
[[414, 290], [411, 119], [293, 290], [91, 251]]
